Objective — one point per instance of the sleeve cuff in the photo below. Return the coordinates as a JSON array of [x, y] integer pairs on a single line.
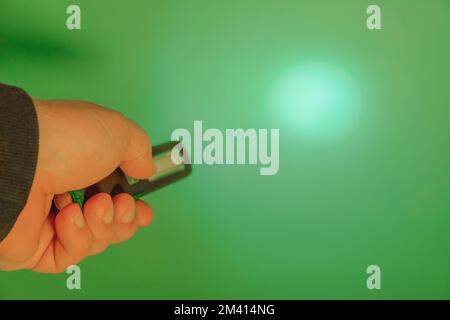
[[19, 145]]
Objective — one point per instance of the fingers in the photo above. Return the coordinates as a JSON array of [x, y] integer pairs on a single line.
[[72, 242], [105, 221], [137, 161], [74, 236], [126, 219], [99, 215], [113, 220], [144, 213], [62, 200]]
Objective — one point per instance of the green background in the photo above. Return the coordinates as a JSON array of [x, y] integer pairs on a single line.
[[365, 183]]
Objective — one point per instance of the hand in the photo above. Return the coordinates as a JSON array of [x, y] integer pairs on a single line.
[[80, 144]]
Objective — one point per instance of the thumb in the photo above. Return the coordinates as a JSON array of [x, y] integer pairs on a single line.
[[82, 143], [137, 161]]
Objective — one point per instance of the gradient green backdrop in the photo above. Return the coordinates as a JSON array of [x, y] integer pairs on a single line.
[[374, 193]]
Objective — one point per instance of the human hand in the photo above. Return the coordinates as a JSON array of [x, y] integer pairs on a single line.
[[80, 144]]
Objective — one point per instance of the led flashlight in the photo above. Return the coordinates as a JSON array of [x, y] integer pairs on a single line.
[[167, 172]]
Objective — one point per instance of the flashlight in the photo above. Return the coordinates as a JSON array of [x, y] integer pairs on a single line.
[[167, 172]]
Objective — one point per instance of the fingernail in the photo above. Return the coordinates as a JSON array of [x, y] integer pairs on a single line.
[[129, 216], [79, 220], [109, 216]]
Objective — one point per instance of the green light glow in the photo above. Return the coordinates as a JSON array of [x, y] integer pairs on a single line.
[[317, 100]]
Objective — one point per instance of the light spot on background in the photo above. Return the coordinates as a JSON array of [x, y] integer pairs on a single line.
[[317, 100]]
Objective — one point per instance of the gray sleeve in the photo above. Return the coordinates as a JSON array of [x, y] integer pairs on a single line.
[[19, 145]]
